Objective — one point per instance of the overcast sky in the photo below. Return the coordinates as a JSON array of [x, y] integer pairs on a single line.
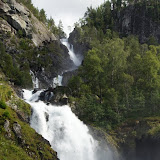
[[69, 11]]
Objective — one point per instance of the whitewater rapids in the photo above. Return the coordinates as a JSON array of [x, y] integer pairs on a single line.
[[68, 136]]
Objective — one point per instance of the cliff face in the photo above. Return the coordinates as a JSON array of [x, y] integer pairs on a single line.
[[79, 48], [138, 20], [19, 18], [29, 42]]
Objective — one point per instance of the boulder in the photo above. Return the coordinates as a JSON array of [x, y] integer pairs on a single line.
[[17, 131], [55, 96], [7, 129]]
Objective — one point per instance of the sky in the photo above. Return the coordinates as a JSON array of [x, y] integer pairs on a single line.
[[68, 11]]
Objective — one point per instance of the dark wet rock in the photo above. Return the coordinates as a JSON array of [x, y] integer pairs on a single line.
[[46, 116], [107, 146], [64, 100], [79, 47], [147, 148], [55, 96], [59, 62], [35, 90], [139, 139], [136, 20], [67, 76], [46, 96]]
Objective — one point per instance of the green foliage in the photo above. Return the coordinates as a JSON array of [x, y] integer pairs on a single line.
[[90, 110], [6, 115], [9, 150], [5, 92], [3, 105], [11, 147], [124, 76], [20, 33], [19, 76]]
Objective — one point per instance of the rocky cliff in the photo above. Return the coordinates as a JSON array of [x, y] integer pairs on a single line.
[[16, 17], [79, 47], [141, 20], [29, 42], [138, 20]]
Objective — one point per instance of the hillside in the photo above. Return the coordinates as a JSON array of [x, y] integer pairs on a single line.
[[29, 44], [18, 140], [117, 88]]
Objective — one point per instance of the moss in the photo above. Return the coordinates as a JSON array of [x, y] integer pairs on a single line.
[[3, 105], [22, 106], [9, 150], [6, 115], [5, 91]]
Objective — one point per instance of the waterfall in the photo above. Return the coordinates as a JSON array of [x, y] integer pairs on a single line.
[[75, 58], [35, 80], [57, 81], [67, 135]]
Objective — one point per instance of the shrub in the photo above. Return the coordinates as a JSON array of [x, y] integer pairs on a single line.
[[6, 115], [3, 105]]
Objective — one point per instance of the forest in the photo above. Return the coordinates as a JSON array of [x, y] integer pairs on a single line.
[[120, 77]]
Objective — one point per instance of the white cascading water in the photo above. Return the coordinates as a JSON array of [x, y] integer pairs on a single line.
[[35, 80], [66, 133], [76, 59], [57, 81]]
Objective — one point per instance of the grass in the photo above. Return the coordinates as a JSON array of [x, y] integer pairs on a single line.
[[3, 105], [33, 146], [5, 91], [9, 150]]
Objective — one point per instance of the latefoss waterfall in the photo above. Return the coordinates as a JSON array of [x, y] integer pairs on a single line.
[[68, 136], [66, 133], [75, 58]]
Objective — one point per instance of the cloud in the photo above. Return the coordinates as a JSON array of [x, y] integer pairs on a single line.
[[69, 11]]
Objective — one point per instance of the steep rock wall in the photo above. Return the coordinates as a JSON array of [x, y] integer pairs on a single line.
[[137, 20], [21, 19]]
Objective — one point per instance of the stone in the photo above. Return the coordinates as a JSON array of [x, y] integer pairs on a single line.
[[35, 90], [7, 129], [17, 129], [46, 116], [67, 76], [64, 100]]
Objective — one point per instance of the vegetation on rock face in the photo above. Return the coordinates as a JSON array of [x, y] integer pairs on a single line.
[[19, 75], [24, 143], [119, 78], [106, 16]]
